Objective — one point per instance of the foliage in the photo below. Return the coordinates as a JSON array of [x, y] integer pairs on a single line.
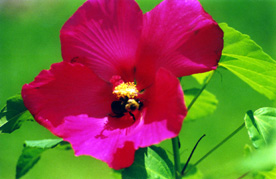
[[205, 105], [13, 115], [193, 172], [244, 58], [261, 126], [151, 162], [32, 152]]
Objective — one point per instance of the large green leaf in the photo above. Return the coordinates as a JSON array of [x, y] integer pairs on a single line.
[[261, 126], [205, 105], [151, 162], [13, 115], [244, 58], [31, 154]]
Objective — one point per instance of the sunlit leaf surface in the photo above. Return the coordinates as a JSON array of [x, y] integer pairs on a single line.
[[31, 154], [201, 77], [261, 126], [150, 162], [244, 58], [205, 105]]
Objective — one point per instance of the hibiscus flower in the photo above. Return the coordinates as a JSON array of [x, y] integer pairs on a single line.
[[116, 89]]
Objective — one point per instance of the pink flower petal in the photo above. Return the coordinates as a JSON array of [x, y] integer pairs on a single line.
[[109, 140], [165, 110], [181, 37], [104, 36], [91, 136], [66, 90], [112, 38]]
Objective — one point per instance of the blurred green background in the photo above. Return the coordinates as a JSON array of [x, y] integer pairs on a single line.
[[29, 42]]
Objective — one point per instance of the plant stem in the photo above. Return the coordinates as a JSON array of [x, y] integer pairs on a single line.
[[244, 175], [175, 141], [186, 165], [203, 87], [218, 145], [176, 156]]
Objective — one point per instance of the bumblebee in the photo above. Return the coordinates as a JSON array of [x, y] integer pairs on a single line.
[[124, 105]]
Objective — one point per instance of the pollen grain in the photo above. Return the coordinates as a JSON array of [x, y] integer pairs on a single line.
[[127, 89]]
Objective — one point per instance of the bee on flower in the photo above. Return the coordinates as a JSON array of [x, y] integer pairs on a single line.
[[117, 88]]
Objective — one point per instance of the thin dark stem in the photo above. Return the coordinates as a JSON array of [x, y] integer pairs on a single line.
[[175, 141], [184, 168], [176, 155], [218, 145], [199, 93], [244, 175]]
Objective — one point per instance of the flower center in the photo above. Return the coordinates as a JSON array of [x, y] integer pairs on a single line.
[[126, 90], [127, 102]]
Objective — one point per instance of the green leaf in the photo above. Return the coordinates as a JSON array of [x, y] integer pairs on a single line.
[[261, 126], [3, 119], [201, 77], [117, 174], [31, 154], [248, 150], [150, 162], [260, 160], [244, 58], [271, 174], [42, 144], [253, 159], [13, 115], [193, 172], [205, 105]]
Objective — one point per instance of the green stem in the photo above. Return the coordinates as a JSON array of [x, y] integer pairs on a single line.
[[203, 87], [218, 145], [176, 155], [175, 141]]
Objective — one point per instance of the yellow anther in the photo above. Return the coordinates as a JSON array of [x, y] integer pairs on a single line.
[[126, 90]]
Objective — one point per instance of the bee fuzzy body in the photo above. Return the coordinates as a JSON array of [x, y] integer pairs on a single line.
[[125, 105]]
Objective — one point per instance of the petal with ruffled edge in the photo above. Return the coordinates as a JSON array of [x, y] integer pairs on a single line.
[[104, 36], [66, 90], [164, 112], [94, 137], [179, 36], [108, 140]]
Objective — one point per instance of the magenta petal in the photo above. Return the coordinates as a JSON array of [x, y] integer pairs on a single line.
[[164, 110], [66, 90], [91, 136], [181, 37], [161, 118], [104, 35]]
